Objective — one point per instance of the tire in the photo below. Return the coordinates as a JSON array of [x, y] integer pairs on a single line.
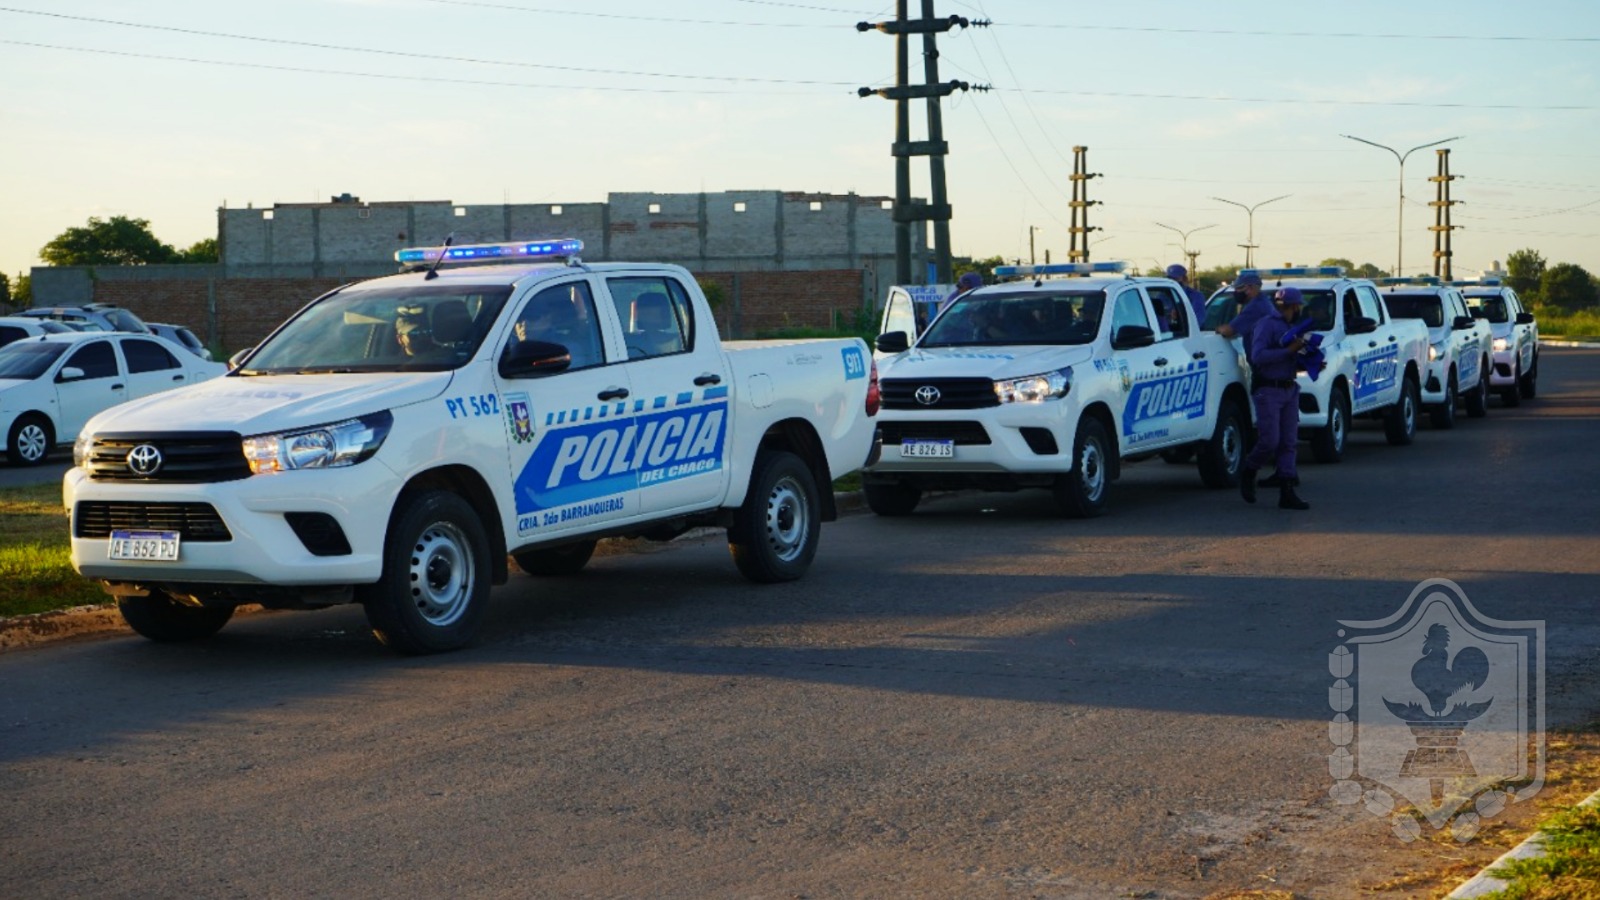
[[568, 559], [1178, 455], [1443, 415], [1528, 385], [896, 499], [1400, 420], [774, 534], [1327, 442], [434, 590], [161, 618], [1477, 399], [1223, 455], [1512, 396], [1083, 492], [30, 441]]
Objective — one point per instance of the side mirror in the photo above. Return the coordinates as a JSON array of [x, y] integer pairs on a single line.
[[1462, 323], [1524, 318], [893, 342], [534, 359], [1361, 325], [236, 360], [69, 373], [1131, 336]]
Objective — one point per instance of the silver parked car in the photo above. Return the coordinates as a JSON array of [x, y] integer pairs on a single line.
[[181, 336], [90, 317]]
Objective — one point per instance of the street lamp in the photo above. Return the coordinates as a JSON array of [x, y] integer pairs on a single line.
[[1400, 237], [1250, 212], [1185, 246]]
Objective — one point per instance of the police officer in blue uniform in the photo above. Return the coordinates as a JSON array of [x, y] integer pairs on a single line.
[[1196, 299], [1274, 363], [1253, 307]]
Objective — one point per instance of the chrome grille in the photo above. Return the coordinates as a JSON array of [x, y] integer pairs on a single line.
[[954, 393]]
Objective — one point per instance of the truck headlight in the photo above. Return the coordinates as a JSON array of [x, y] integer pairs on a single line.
[[324, 447], [80, 448], [1500, 345], [1034, 388], [1435, 351]]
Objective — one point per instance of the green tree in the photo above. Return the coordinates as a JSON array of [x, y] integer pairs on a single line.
[[1524, 270], [1568, 287], [984, 267], [1339, 261], [22, 291], [204, 251], [5, 290], [120, 241]]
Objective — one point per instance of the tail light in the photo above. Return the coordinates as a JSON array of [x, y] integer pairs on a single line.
[[873, 397]]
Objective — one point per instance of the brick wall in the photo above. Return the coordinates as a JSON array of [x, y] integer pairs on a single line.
[[231, 314]]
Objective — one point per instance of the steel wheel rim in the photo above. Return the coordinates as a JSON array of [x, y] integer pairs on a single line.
[[31, 442], [788, 519], [1338, 426], [441, 574], [1408, 412], [1091, 471], [1233, 446]]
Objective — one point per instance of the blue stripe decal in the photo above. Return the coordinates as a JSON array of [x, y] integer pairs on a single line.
[[715, 393], [621, 407], [561, 417], [685, 397], [659, 403], [638, 406]]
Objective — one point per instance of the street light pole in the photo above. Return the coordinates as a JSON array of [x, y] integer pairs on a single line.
[[1031, 230], [1400, 221], [1250, 212], [1185, 236]]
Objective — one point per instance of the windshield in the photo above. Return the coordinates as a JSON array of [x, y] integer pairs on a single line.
[[429, 328], [1030, 317], [1493, 307], [1427, 307], [28, 359], [1221, 309]]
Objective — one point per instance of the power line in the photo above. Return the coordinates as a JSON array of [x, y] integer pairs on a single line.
[[1224, 32], [1436, 104], [631, 18]]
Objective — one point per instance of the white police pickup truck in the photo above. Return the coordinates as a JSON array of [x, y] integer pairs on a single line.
[[1052, 382], [1515, 372], [393, 441], [1373, 362], [1458, 346]]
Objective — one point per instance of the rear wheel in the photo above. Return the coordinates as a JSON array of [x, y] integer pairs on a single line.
[[1528, 385], [1444, 414], [30, 440], [891, 499], [434, 591], [1327, 442], [568, 559], [1083, 492], [1478, 398], [161, 618], [774, 533], [1400, 421], [1223, 454]]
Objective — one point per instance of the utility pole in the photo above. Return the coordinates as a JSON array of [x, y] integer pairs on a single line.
[[906, 212], [1080, 205], [1441, 227], [1032, 257], [1250, 242], [1191, 254]]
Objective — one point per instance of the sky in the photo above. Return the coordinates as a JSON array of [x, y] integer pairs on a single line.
[[166, 110]]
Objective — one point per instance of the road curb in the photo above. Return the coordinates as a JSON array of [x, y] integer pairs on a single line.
[[1561, 343], [1483, 883]]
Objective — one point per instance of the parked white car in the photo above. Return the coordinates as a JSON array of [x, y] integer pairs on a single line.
[[52, 384], [15, 328]]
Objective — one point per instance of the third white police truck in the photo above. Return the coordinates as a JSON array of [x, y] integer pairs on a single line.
[[1458, 345]]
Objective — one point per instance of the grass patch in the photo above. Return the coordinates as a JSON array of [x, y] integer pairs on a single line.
[[1583, 325], [36, 573], [1570, 866]]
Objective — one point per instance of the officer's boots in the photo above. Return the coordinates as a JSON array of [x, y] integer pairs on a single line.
[[1247, 484], [1287, 498]]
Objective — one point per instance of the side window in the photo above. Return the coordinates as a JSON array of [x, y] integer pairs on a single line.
[[562, 314], [1172, 317], [147, 356], [1370, 305], [96, 360], [1129, 310], [124, 320], [655, 313], [9, 333]]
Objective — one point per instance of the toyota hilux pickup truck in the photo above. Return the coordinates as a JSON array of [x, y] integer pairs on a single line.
[[1373, 362], [1458, 345], [1054, 381], [1515, 371], [396, 439]]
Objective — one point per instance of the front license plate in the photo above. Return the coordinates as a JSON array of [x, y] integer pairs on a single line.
[[160, 546], [928, 449]]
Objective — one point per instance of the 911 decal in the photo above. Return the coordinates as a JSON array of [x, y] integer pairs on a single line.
[[855, 364]]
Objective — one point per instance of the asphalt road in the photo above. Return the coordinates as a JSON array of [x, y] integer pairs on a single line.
[[979, 700]]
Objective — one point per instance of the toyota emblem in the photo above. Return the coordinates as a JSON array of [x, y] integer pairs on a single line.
[[144, 460], [927, 395]]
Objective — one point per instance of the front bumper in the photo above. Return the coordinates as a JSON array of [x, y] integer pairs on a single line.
[[1435, 382], [1504, 370]]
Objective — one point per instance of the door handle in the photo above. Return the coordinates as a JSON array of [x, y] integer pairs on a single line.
[[1391, 338], [177, 378], [1372, 343], [1201, 354], [117, 387], [708, 378], [615, 393], [1161, 360]]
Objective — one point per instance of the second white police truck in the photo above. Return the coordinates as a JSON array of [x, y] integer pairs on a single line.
[[392, 442], [1374, 362], [1053, 381]]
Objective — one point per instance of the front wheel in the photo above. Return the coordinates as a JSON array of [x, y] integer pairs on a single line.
[[1327, 442], [1512, 396], [1528, 385], [1223, 454], [1084, 491], [555, 561], [892, 499], [161, 618], [1478, 398], [434, 590], [1400, 421], [1443, 416], [30, 440], [774, 533]]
